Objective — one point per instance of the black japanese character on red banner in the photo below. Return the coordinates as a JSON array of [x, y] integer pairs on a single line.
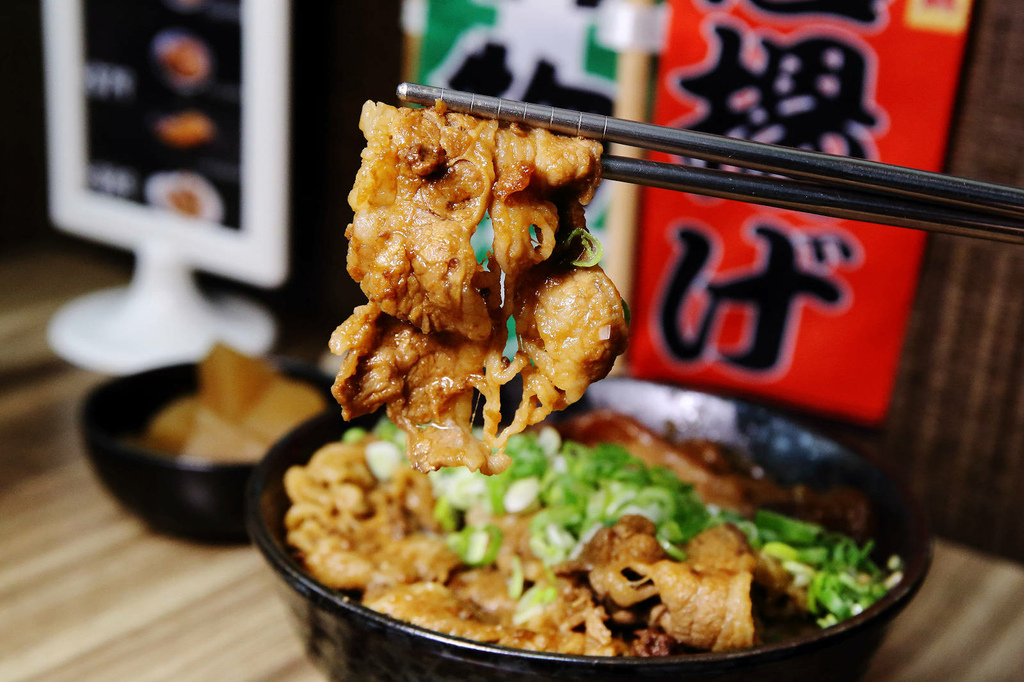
[[771, 290], [813, 93], [865, 11]]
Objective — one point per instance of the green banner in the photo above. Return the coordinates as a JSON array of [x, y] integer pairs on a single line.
[[540, 51]]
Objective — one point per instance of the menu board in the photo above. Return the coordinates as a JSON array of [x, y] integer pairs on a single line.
[[163, 88]]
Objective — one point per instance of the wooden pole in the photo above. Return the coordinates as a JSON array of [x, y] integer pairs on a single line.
[[633, 69], [411, 46], [414, 19]]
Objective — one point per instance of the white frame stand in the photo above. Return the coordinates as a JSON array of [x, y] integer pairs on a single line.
[[161, 318]]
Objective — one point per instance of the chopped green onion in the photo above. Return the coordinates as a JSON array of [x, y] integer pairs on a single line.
[[383, 457], [585, 538], [445, 515], [670, 549], [496, 489], [521, 495], [827, 590], [780, 550], [750, 530], [516, 579], [591, 250], [476, 548], [828, 621], [893, 580], [563, 491], [552, 544], [549, 441], [786, 529], [802, 573], [651, 513], [463, 488], [353, 435], [671, 531], [814, 556], [559, 537], [387, 430], [528, 456], [532, 603], [476, 545]]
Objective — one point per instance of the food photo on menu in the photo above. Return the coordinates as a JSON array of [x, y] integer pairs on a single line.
[[185, 193], [185, 129], [183, 60], [547, 340]]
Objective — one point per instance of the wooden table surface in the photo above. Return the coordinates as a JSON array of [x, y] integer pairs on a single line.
[[88, 593]]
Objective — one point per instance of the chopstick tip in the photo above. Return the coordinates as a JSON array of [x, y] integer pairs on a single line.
[[402, 91]]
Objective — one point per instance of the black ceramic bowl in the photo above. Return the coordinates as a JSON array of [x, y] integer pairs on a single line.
[[191, 498], [350, 642]]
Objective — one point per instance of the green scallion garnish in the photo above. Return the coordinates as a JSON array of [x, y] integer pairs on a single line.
[[572, 491], [353, 435], [476, 545]]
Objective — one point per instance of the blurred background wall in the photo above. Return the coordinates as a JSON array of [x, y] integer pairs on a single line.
[[22, 164], [956, 429]]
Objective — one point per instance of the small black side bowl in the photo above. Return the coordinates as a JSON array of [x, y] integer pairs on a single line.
[[350, 642], [191, 498]]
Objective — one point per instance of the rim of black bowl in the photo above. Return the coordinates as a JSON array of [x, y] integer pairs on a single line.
[[324, 597], [117, 443]]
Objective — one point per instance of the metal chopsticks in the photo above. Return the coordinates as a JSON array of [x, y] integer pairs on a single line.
[[819, 183]]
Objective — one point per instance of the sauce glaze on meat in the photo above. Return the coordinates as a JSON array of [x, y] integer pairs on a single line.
[[436, 323]]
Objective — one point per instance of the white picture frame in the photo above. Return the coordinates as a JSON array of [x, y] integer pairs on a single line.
[[256, 252]]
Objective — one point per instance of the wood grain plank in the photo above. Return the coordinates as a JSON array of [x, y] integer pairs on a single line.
[[235, 633], [954, 630], [107, 599]]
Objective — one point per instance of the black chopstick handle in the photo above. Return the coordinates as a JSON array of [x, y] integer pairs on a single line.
[[825, 169], [812, 198]]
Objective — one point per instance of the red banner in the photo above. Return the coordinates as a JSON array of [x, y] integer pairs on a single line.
[[805, 310]]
